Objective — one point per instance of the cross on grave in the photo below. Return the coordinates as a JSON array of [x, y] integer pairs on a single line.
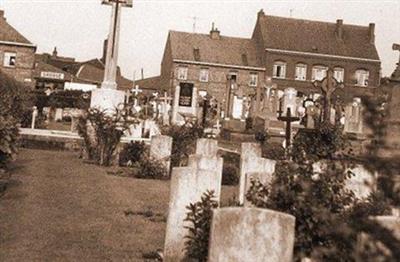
[[165, 101], [136, 91], [328, 85]]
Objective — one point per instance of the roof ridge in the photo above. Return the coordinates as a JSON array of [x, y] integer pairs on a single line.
[[314, 21], [204, 34]]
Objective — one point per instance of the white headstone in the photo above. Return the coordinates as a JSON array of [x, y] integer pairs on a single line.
[[251, 235], [187, 186], [160, 149]]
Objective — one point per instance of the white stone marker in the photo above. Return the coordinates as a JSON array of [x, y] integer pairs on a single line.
[[207, 147], [252, 162], [187, 186], [34, 115], [59, 114], [251, 235], [160, 149]]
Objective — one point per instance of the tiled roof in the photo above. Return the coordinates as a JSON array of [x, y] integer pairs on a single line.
[[44, 67], [152, 83], [225, 50], [92, 74], [10, 34], [316, 37]]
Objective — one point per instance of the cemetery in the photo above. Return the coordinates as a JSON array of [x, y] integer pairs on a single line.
[[270, 173]]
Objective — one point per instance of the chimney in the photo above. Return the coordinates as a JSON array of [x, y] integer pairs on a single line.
[[371, 33], [260, 13], [55, 53], [105, 43], [339, 28], [2, 14], [214, 33]]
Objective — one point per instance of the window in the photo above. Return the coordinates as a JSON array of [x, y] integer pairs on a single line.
[[182, 73], [9, 59], [301, 72], [253, 79], [318, 73], [338, 74], [279, 70], [233, 76], [203, 75], [362, 77]]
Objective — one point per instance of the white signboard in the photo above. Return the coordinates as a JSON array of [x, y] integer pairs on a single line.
[[52, 75], [79, 86]]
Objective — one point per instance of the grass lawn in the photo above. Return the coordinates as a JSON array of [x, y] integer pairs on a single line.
[[59, 209]]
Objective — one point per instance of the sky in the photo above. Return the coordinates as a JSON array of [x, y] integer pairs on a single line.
[[79, 27]]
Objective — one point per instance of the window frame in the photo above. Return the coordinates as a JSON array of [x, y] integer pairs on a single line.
[[185, 68], [207, 75], [255, 83], [7, 59], [337, 69], [313, 78], [283, 66], [300, 65], [358, 73]]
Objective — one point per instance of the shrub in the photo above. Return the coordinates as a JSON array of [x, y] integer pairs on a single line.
[[199, 216], [14, 102], [184, 141], [150, 168], [132, 153], [8, 139], [101, 134], [326, 141]]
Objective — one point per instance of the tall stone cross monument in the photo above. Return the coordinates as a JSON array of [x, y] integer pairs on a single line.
[[328, 85], [108, 97]]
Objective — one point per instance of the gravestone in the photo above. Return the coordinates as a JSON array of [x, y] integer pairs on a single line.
[[353, 117], [160, 149], [252, 162], [187, 186], [58, 115], [135, 130], [251, 235], [35, 113], [206, 147]]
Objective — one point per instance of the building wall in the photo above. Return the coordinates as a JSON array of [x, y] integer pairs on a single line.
[[350, 67], [217, 79], [25, 60]]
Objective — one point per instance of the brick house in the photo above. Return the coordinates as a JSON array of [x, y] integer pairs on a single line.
[[17, 54], [296, 52], [282, 52]]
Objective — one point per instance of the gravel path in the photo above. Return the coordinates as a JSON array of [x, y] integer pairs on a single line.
[[59, 209]]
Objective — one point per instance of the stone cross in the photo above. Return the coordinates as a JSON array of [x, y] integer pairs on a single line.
[[113, 42], [108, 97], [165, 101], [328, 85], [136, 91]]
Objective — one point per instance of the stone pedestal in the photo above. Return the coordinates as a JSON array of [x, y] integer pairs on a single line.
[[160, 149], [175, 106], [251, 235], [107, 99], [187, 186]]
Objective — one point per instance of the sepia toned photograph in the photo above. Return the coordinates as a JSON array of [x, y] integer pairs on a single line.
[[200, 130]]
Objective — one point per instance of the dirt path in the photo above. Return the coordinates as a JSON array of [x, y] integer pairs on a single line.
[[59, 209]]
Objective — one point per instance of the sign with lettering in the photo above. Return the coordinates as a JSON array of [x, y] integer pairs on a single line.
[[52, 75], [186, 94]]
